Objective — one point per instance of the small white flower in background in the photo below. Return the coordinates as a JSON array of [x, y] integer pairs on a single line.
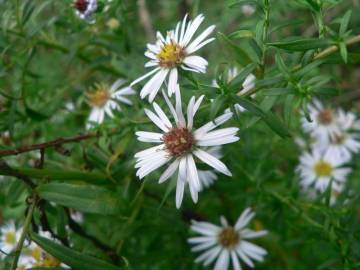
[[172, 52], [248, 10], [227, 243], [85, 9], [208, 177], [105, 99], [77, 216], [341, 145], [317, 169], [324, 122], [179, 144], [9, 237], [248, 84], [38, 258]]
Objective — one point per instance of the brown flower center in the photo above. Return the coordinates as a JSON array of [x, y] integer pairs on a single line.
[[228, 237], [81, 5], [171, 55], [178, 141], [100, 96], [325, 117], [323, 168]]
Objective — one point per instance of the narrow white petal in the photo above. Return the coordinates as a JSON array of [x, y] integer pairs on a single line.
[[162, 115], [156, 120], [212, 161], [222, 262], [173, 81], [169, 171], [213, 124], [145, 76], [180, 186]]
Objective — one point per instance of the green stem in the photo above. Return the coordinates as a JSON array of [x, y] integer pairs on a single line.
[[26, 227], [265, 35]]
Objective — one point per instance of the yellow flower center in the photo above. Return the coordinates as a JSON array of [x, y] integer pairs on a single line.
[[44, 259], [100, 96], [10, 237], [171, 55], [323, 168], [228, 237]]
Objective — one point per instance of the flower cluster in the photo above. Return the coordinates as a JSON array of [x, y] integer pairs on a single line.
[[333, 141], [182, 146], [32, 255]]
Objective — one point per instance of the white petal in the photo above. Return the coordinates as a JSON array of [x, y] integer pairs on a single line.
[[196, 62], [191, 48], [212, 161], [173, 81], [145, 76], [149, 136], [162, 115], [213, 124], [169, 171], [222, 262], [156, 120]]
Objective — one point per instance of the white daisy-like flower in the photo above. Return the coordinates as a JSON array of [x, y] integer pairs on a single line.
[[324, 122], [105, 99], [9, 237], [227, 243], [85, 9], [175, 51], [180, 143], [317, 169]]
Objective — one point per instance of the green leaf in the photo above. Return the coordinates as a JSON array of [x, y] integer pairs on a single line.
[[344, 23], [240, 55], [343, 51], [216, 105], [55, 174], [237, 82], [301, 44], [278, 91], [72, 258], [281, 65], [90, 199], [241, 34], [270, 119]]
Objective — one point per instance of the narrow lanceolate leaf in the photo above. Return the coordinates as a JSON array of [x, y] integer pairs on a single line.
[[270, 119], [90, 199], [237, 82], [300, 45], [55, 174], [241, 34], [240, 55], [72, 258]]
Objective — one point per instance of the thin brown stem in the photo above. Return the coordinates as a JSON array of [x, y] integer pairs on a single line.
[[54, 143], [145, 19]]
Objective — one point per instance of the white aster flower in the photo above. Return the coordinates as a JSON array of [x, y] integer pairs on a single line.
[[180, 143], [175, 51], [105, 99], [347, 121], [317, 169], [85, 9], [9, 237], [324, 122], [227, 243]]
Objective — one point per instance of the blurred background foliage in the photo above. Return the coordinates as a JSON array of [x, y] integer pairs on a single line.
[[49, 58]]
